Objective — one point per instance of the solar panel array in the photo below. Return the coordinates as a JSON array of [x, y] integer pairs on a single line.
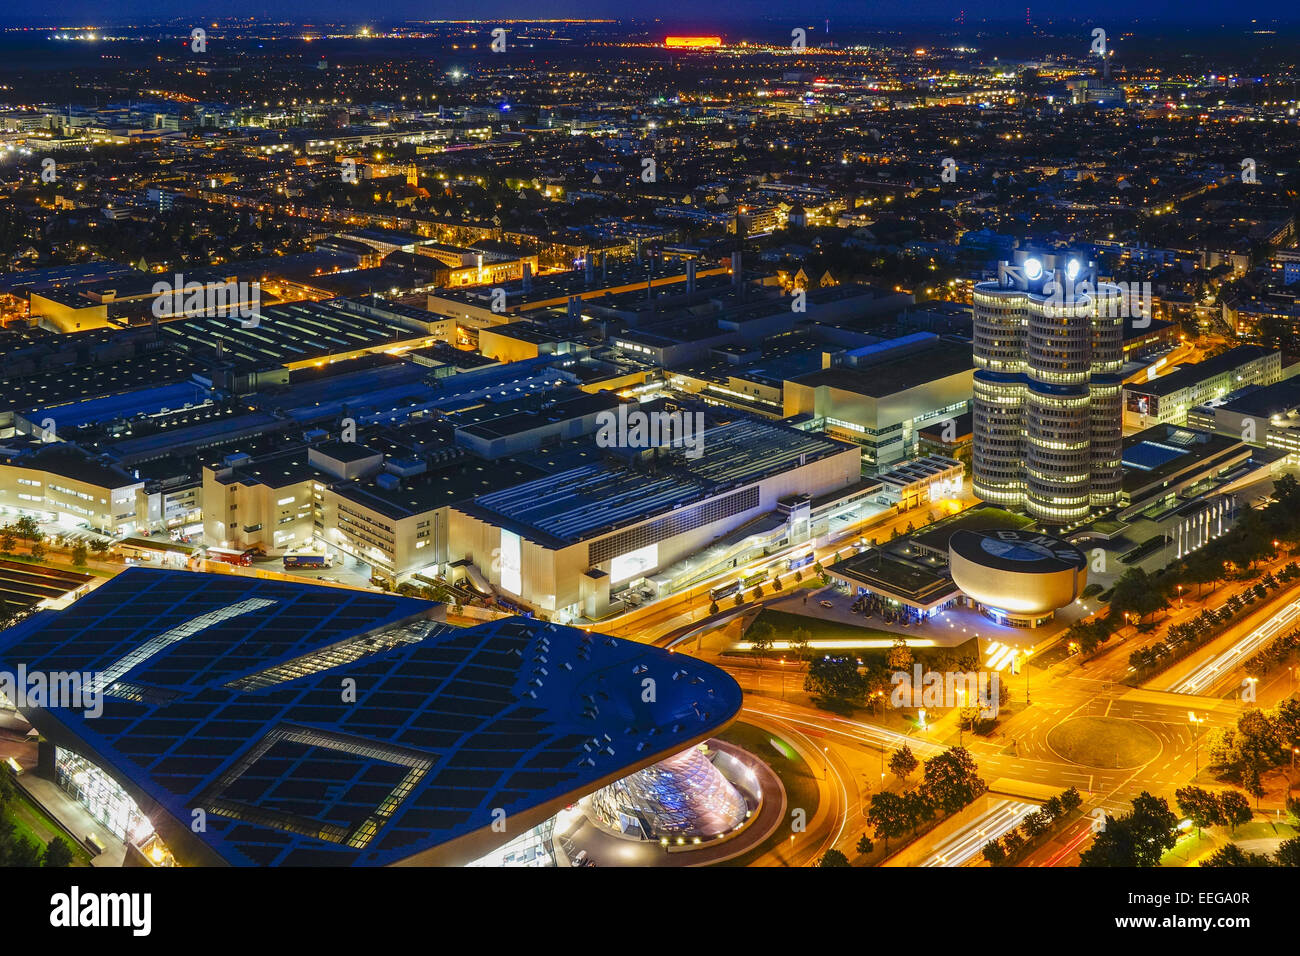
[[372, 760]]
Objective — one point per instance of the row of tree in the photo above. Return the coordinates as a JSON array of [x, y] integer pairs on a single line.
[[26, 529], [1016, 844], [1205, 808], [1257, 534]]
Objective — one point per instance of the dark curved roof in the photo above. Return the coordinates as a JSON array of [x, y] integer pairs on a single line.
[[224, 692], [1025, 552]]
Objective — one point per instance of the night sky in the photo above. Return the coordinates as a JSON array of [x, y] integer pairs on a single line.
[[93, 12]]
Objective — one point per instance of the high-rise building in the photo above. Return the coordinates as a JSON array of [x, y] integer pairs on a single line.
[[1048, 347]]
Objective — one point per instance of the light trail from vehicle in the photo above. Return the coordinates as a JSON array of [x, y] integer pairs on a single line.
[[1001, 818], [1200, 679]]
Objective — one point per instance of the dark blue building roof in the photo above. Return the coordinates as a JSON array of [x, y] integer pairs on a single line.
[[321, 726]]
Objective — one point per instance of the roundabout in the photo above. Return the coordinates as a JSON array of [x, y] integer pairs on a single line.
[[1106, 743]]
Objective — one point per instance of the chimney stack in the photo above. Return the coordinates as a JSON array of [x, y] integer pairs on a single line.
[[690, 276], [528, 277]]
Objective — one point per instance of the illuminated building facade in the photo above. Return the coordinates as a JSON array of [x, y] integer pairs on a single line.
[[684, 795], [1048, 348]]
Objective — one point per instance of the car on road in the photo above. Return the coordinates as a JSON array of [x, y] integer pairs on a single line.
[[826, 604]]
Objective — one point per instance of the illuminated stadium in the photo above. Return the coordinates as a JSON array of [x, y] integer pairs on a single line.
[[1019, 578], [251, 722]]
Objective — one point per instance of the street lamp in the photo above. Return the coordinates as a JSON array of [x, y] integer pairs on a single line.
[[1196, 740], [961, 723], [1028, 654], [1180, 595]]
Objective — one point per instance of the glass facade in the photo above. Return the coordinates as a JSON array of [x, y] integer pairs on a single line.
[[1046, 412], [684, 795], [102, 797], [534, 848]]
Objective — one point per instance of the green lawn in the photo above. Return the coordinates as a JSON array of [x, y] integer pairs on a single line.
[[1193, 851], [35, 824], [800, 784]]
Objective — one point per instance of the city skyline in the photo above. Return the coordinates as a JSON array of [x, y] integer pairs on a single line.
[[650, 443]]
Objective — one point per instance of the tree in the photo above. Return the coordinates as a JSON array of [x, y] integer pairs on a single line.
[[1201, 806], [899, 657], [1035, 824], [800, 642], [7, 786], [951, 780], [23, 852], [865, 845], [1138, 838], [903, 762], [8, 541], [918, 806], [57, 853], [1014, 842], [1155, 824], [1233, 855], [1071, 799], [38, 551], [995, 853], [760, 639], [100, 549], [1053, 808], [1252, 782], [835, 679], [1235, 808], [1137, 593], [1288, 853], [713, 607], [887, 815], [28, 529], [833, 858], [79, 555]]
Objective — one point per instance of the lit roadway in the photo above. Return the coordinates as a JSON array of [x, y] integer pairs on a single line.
[[671, 613], [1218, 670], [1020, 756], [968, 842]]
